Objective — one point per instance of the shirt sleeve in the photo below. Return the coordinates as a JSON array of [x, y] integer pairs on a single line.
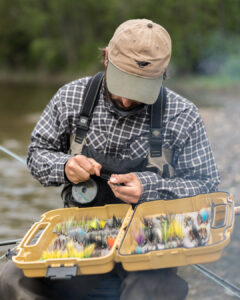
[[47, 153], [194, 166]]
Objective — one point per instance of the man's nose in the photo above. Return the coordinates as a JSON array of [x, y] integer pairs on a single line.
[[126, 102]]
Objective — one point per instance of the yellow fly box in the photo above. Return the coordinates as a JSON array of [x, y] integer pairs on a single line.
[[43, 233]]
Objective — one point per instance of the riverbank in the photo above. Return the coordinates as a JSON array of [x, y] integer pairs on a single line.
[[40, 77], [186, 83], [223, 128]]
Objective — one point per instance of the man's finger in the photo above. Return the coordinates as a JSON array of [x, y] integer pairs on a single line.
[[78, 175], [126, 194], [84, 163], [96, 166], [126, 190], [122, 178], [125, 198]]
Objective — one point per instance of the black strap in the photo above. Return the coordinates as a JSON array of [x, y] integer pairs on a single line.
[[156, 123], [90, 99]]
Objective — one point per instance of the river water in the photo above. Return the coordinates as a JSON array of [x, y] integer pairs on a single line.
[[23, 199]]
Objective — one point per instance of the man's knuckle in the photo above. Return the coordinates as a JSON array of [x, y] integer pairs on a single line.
[[71, 164], [75, 180], [87, 177]]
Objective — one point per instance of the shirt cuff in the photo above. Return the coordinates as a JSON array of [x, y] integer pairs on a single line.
[[150, 185], [59, 170]]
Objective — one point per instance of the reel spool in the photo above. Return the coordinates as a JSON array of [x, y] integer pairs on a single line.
[[85, 192]]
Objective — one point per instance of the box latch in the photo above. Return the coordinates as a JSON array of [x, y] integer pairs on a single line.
[[61, 272]]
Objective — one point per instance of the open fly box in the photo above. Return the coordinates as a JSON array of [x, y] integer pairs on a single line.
[[43, 233]]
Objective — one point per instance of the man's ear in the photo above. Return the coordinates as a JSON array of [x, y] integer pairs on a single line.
[[106, 57]]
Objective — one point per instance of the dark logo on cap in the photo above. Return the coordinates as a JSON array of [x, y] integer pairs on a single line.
[[142, 64]]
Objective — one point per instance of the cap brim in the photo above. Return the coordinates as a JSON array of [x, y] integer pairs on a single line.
[[132, 87]]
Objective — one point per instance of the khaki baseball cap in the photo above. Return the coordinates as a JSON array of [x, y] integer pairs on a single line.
[[138, 55]]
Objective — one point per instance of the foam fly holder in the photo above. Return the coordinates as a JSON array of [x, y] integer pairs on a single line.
[[41, 235]]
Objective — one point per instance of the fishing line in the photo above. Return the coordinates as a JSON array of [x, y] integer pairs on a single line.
[[10, 153], [219, 280]]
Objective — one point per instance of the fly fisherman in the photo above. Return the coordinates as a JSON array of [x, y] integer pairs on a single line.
[[147, 141]]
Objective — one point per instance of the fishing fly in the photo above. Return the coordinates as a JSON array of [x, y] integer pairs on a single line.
[[84, 238], [171, 231]]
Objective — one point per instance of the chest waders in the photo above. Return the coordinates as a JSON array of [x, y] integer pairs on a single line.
[[96, 191]]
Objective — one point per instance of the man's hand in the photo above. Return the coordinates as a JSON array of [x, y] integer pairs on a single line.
[[131, 191], [79, 168]]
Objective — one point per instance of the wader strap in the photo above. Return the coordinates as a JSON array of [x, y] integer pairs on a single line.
[[156, 124], [90, 98]]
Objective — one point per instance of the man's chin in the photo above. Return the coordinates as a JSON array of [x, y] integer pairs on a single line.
[[125, 108]]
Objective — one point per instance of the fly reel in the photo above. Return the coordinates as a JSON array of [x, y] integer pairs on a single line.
[[85, 192]]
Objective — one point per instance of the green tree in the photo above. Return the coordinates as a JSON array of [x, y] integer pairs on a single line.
[[62, 35]]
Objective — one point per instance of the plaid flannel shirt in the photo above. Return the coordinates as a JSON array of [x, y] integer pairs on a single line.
[[125, 137]]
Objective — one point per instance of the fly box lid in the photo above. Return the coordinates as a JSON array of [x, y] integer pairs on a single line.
[[208, 219]]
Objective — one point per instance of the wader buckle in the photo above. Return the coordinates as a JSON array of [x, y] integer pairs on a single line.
[[155, 142]]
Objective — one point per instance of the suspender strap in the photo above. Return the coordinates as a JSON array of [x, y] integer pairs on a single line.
[[90, 98], [156, 124]]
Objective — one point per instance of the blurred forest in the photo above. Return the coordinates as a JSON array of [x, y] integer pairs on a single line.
[[64, 35]]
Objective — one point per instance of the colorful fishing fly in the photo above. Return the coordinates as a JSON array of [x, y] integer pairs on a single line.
[[83, 238], [171, 231]]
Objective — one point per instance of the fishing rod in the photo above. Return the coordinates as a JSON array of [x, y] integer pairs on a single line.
[[10, 242], [10, 153], [227, 285], [22, 161]]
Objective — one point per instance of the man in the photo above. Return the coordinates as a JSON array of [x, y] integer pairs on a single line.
[[140, 162]]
